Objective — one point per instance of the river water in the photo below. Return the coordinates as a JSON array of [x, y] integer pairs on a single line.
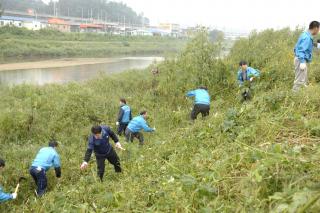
[[74, 73]]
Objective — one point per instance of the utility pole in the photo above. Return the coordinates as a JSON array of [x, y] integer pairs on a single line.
[[54, 8], [105, 22], [124, 23], [82, 13]]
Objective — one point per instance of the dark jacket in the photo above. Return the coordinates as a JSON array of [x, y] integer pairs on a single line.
[[101, 147]]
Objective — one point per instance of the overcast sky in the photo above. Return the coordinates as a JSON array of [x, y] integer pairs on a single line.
[[243, 15], [235, 14]]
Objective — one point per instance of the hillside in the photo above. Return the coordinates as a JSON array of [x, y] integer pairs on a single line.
[[259, 156], [21, 44], [96, 9]]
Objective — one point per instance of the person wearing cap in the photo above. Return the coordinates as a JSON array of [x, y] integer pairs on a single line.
[[303, 55], [124, 116], [136, 125], [98, 143], [46, 158], [246, 73], [5, 196], [201, 103]]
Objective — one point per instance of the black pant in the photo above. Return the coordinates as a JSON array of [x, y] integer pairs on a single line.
[[131, 135], [40, 178], [112, 157], [200, 108], [122, 128]]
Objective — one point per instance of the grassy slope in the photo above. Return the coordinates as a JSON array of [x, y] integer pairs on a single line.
[[24, 44], [255, 157]]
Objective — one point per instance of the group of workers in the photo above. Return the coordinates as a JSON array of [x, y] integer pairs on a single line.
[[98, 141]]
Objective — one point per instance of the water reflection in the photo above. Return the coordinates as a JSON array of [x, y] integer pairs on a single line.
[[74, 73]]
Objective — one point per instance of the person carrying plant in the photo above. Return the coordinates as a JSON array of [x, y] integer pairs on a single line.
[[303, 55], [246, 73], [246, 76], [5, 196], [136, 125], [124, 116], [201, 103], [46, 158], [98, 143]]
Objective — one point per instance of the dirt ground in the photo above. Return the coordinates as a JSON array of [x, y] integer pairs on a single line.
[[55, 63]]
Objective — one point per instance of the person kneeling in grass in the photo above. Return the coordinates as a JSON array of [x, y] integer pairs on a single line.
[[136, 125], [46, 158], [246, 76], [99, 144], [4, 196]]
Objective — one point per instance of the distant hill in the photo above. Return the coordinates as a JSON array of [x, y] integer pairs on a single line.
[[97, 9]]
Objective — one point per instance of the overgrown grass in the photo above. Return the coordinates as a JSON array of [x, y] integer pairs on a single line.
[[260, 156], [20, 44]]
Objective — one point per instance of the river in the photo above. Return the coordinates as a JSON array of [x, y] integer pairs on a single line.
[[68, 70]]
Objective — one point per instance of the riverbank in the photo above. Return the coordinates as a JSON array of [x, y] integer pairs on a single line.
[[257, 156], [18, 45], [65, 62]]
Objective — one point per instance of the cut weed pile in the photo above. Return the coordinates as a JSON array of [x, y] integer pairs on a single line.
[[258, 156]]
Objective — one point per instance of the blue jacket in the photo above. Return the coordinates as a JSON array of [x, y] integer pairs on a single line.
[[125, 115], [201, 96], [4, 196], [138, 123], [46, 158], [101, 147], [250, 72], [304, 47]]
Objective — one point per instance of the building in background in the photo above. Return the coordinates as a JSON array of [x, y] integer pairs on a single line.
[[28, 23], [173, 29], [91, 28], [34, 21], [59, 24]]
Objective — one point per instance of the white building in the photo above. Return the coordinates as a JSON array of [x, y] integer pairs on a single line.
[[29, 23]]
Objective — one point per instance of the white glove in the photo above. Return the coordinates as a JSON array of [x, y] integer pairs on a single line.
[[83, 165], [118, 146], [318, 46], [303, 66], [251, 79], [154, 128], [14, 195], [117, 123]]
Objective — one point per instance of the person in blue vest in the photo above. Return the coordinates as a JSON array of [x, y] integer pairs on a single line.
[[46, 158], [5, 196], [246, 73], [201, 103], [136, 125], [303, 55], [124, 116], [98, 143]]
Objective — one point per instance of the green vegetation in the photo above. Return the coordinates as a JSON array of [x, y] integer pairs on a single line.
[[97, 9], [259, 156], [19, 44], [1, 11]]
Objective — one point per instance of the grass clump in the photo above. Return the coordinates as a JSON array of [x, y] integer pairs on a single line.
[[258, 156]]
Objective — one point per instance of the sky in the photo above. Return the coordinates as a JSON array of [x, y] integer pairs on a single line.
[[232, 15], [239, 15]]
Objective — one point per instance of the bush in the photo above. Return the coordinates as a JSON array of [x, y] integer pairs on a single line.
[[259, 156]]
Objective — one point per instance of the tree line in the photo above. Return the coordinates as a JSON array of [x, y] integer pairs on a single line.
[[90, 9]]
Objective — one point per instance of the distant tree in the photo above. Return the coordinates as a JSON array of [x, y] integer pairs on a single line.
[[216, 35], [1, 11], [96, 9]]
